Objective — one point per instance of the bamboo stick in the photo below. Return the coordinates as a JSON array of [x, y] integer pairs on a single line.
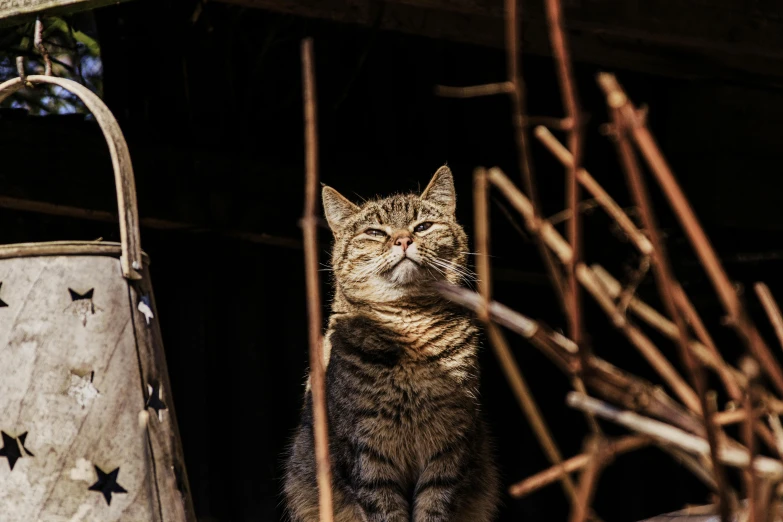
[[310, 236]]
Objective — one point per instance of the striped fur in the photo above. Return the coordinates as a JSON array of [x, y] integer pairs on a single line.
[[407, 439]]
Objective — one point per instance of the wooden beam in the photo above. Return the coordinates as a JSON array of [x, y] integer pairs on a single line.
[[688, 39], [53, 209], [16, 11], [173, 194]]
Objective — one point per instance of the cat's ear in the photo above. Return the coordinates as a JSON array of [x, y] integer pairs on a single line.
[[337, 208], [441, 190]]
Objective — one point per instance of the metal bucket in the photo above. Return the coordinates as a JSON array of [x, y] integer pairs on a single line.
[[86, 415]]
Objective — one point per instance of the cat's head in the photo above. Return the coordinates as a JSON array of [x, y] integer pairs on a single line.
[[393, 247]]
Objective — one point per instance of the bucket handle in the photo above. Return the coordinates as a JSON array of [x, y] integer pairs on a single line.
[[130, 261]]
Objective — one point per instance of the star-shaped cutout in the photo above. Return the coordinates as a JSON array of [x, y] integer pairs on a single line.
[[107, 483], [145, 307], [155, 401], [2, 303], [83, 304], [11, 448], [76, 296]]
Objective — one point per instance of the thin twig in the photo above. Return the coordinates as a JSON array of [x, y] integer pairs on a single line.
[[539, 480], [20, 69], [565, 76], [498, 342], [603, 378], [772, 309], [565, 214], [730, 378], [588, 481], [38, 42], [666, 434], [666, 284], [525, 207], [310, 233], [736, 315], [629, 291], [520, 121], [709, 356], [698, 466], [474, 91], [596, 190], [481, 223], [724, 418], [750, 479], [585, 275]]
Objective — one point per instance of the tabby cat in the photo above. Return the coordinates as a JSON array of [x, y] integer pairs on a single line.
[[407, 438]]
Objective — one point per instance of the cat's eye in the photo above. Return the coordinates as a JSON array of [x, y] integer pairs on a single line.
[[375, 232], [421, 227]]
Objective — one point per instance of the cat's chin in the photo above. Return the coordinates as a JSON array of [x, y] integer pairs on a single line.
[[406, 272]]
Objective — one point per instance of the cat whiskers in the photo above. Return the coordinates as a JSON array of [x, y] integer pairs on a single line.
[[443, 266]]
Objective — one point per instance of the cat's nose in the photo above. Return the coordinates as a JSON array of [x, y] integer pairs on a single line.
[[404, 242]]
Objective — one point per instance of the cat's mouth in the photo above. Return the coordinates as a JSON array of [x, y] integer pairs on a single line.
[[405, 271]]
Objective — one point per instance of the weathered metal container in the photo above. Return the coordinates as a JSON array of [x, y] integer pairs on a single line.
[[86, 416]]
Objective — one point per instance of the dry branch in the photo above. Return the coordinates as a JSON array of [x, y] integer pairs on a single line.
[[601, 377], [645, 247], [736, 315], [498, 342], [772, 309], [310, 233], [749, 478], [546, 477], [666, 434], [709, 356], [586, 277], [565, 76], [474, 91], [588, 481], [666, 288], [513, 44], [597, 191]]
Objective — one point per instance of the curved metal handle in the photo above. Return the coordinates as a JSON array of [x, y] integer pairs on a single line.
[[120, 158]]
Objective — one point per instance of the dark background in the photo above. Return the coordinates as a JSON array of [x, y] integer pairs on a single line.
[[212, 112]]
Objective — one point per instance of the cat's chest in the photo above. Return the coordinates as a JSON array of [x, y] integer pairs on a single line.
[[375, 372], [413, 385]]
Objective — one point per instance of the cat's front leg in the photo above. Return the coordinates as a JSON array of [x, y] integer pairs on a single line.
[[435, 496], [378, 488]]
